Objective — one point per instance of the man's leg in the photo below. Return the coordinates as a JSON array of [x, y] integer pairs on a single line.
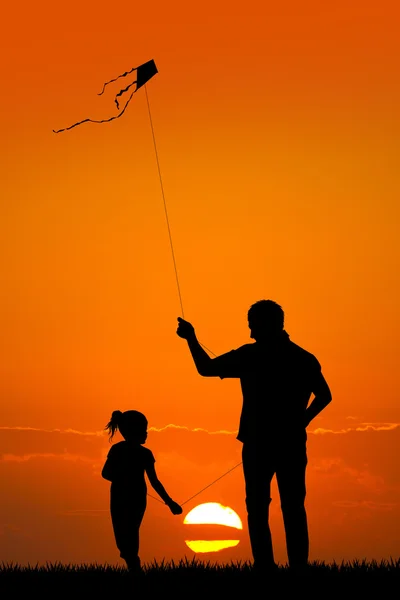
[[291, 478], [258, 490]]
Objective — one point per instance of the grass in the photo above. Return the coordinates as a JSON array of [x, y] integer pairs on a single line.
[[196, 578]]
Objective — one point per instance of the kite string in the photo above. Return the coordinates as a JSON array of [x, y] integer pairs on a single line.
[[204, 488], [166, 213], [165, 204]]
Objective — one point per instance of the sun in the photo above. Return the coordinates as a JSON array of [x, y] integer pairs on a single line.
[[213, 513]]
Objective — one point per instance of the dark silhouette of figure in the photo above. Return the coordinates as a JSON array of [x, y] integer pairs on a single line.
[[277, 378], [126, 465]]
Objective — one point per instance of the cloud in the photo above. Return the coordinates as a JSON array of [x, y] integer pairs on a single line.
[[192, 430], [27, 457], [361, 427], [85, 433], [24, 441], [363, 477], [9, 527], [368, 504], [85, 512]]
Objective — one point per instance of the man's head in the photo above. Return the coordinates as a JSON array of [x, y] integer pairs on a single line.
[[266, 319]]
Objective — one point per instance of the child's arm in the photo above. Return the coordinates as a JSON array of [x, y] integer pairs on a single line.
[[159, 488], [108, 469]]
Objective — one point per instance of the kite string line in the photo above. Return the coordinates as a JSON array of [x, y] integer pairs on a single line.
[[165, 204], [166, 212], [204, 488]]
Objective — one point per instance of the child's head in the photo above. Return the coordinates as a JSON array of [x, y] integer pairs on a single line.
[[131, 424]]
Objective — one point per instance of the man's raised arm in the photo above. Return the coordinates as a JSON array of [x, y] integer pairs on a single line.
[[203, 362]]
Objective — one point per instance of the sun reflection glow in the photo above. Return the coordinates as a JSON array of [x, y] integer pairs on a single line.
[[199, 546]]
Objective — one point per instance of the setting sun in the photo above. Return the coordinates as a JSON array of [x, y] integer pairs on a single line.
[[213, 513]]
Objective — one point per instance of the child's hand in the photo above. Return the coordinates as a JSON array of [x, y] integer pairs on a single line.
[[175, 508]]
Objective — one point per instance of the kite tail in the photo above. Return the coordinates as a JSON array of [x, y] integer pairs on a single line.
[[93, 121], [116, 79], [123, 92]]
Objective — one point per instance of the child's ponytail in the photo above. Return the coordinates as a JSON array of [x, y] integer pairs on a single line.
[[114, 423]]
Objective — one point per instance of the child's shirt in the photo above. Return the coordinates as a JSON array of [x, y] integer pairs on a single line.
[[126, 465]]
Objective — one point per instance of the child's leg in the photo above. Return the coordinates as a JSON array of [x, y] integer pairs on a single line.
[[133, 563], [129, 546], [126, 523]]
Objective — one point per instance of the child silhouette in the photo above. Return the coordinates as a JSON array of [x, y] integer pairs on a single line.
[[126, 465]]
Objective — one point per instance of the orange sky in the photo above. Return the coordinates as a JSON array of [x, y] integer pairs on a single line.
[[277, 131]]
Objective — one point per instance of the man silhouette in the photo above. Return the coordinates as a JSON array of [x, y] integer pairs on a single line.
[[277, 378]]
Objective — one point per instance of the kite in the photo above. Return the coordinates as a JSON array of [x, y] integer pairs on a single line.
[[144, 72]]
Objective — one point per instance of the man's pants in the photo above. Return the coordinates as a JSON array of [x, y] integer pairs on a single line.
[[288, 462]]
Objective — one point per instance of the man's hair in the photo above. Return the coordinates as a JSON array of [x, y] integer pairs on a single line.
[[267, 312]]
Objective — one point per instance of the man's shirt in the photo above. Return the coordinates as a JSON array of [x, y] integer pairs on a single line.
[[277, 380]]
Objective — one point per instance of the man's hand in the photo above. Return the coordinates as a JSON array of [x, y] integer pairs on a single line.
[[175, 508], [201, 359], [185, 329]]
